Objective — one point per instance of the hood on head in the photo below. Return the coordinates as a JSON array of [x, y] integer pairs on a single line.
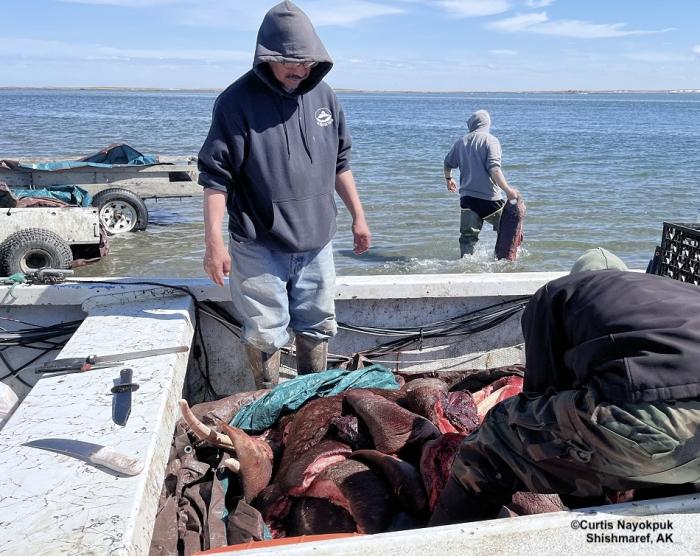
[[479, 120], [287, 33]]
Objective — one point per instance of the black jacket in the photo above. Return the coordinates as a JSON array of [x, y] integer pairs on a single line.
[[630, 336]]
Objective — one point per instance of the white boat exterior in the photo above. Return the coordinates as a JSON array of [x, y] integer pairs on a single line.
[[55, 504]]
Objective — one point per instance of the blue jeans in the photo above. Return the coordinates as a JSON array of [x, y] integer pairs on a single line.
[[273, 290]]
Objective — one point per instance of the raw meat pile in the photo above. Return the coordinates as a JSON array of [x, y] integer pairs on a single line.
[[364, 461]]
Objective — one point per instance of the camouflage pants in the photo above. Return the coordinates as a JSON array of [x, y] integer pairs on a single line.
[[570, 443]]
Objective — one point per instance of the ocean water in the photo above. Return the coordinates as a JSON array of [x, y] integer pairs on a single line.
[[603, 169]]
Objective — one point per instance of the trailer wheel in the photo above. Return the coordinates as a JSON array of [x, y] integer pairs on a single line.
[[32, 249], [121, 210]]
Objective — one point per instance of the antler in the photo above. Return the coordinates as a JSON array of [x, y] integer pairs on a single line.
[[201, 430]]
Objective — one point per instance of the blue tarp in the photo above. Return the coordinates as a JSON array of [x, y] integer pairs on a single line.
[[292, 394], [71, 194], [114, 155], [70, 164]]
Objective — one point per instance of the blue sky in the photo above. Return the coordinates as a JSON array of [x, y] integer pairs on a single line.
[[436, 45]]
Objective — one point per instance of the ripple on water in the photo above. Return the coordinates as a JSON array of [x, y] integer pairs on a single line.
[[584, 163]]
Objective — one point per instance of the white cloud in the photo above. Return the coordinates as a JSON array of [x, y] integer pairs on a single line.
[[125, 3], [518, 22], [538, 3], [56, 50], [656, 57], [474, 8], [350, 12], [696, 50], [540, 23], [504, 52], [249, 13]]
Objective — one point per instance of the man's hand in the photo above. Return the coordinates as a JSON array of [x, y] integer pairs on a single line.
[[345, 186], [451, 185], [217, 263], [361, 236], [512, 194]]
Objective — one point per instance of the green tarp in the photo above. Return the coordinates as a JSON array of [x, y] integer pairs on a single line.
[[114, 155], [292, 394], [71, 194]]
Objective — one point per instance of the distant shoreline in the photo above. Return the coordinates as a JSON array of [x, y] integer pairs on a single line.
[[374, 91]]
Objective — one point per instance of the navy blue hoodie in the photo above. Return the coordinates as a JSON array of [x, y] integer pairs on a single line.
[[275, 153]]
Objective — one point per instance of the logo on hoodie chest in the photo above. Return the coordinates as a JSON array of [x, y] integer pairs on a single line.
[[324, 117]]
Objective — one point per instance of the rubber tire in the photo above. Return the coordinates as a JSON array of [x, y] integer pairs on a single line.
[[110, 199], [44, 248]]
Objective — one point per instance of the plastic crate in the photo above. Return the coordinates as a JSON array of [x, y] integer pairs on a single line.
[[678, 257]]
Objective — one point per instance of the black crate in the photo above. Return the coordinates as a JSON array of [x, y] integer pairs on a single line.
[[679, 253]]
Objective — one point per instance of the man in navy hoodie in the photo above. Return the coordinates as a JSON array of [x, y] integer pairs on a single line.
[[276, 152]]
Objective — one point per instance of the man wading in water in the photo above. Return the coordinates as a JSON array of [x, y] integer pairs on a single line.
[[277, 150], [478, 157]]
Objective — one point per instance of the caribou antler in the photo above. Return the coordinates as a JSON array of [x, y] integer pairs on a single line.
[[201, 431], [232, 464]]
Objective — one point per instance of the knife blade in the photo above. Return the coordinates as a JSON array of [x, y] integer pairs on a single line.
[[97, 454], [121, 400], [81, 364]]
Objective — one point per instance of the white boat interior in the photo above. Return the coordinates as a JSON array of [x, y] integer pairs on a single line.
[[52, 503]]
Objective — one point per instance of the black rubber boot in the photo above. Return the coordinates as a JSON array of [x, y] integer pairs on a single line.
[[312, 355], [265, 367]]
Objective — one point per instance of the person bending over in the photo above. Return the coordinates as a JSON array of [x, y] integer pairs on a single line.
[[611, 397]]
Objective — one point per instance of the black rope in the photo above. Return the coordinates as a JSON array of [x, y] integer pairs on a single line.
[[466, 324], [37, 334], [41, 338]]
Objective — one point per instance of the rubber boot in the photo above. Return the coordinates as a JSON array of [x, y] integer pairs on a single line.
[[312, 355], [265, 367]]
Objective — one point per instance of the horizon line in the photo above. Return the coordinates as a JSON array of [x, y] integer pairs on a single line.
[[344, 90]]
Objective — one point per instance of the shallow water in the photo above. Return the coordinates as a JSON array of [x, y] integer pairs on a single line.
[[595, 170]]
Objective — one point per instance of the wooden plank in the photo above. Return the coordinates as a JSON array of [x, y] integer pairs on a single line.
[[15, 179], [147, 190], [179, 159], [145, 181]]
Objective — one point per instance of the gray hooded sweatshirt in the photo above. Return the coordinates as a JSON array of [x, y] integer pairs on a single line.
[[475, 155], [276, 153]]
